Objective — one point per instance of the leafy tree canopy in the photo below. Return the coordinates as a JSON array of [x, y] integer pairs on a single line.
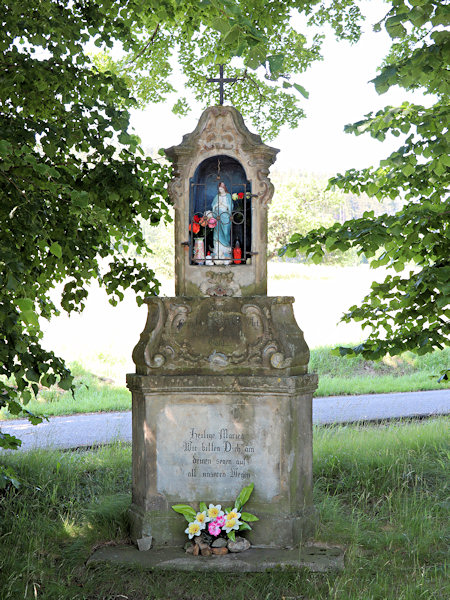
[[74, 182], [268, 50], [409, 310]]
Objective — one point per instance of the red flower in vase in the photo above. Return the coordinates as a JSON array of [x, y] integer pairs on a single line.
[[195, 228]]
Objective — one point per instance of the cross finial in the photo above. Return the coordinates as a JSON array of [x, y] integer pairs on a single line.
[[221, 80]]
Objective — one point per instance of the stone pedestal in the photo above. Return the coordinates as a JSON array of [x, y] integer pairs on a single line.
[[221, 394], [222, 398]]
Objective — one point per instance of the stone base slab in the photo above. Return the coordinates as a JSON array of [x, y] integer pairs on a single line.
[[316, 557]]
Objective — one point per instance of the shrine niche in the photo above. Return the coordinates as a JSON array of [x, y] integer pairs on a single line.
[[221, 191], [220, 231]]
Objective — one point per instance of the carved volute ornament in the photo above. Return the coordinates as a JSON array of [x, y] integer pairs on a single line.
[[221, 156]]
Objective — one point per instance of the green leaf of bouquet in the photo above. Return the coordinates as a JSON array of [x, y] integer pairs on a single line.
[[244, 496], [244, 527], [245, 516], [202, 506], [186, 510], [232, 536], [227, 510]]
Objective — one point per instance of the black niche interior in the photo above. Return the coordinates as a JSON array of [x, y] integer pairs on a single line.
[[203, 189]]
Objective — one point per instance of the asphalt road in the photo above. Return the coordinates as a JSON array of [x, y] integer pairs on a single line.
[[93, 429]]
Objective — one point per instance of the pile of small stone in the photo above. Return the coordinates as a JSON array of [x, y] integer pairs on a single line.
[[204, 545]]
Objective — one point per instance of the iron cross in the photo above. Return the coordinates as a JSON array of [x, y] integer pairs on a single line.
[[221, 80]]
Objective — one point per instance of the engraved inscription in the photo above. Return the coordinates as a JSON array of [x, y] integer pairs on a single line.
[[210, 451]]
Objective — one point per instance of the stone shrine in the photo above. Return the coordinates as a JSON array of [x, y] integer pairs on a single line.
[[221, 393]]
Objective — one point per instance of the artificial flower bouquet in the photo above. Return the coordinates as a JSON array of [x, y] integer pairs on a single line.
[[205, 220], [240, 196], [211, 523]]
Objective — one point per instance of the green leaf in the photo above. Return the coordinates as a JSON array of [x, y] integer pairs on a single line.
[[35, 419], [248, 517], [14, 407], [256, 56], [301, 89], [5, 148], [275, 63], [408, 170], [202, 506], [329, 243], [232, 36], [232, 536], [9, 442], [187, 511], [25, 304], [30, 317], [56, 249], [26, 396], [418, 16], [342, 351], [395, 29], [244, 496], [31, 375], [66, 382], [244, 527]]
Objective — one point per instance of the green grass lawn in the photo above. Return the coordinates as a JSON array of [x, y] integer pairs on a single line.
[[380, 491], [337, 376]]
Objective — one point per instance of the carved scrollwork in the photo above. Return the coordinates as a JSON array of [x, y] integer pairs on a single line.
[[220, 284], [176, 192], [178, 313], [146, 354], [210, 334], [266, 350], [264, 186]]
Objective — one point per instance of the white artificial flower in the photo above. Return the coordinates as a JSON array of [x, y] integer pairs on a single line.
[[215, 511], [202, 518], [233, 514], [193, 528], [231, 524]]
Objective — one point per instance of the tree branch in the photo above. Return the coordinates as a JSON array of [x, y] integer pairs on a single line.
[[147, 45]]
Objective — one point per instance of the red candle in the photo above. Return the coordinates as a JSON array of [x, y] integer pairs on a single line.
[[237, 253]]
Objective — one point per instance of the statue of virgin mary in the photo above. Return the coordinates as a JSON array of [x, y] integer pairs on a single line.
[[222, 208]]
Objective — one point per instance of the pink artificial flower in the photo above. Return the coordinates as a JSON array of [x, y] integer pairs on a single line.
[[212, 222], [220, 521], [213, 528]]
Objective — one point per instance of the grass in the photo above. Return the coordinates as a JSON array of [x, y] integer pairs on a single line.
[[337, 376], [380, 491], [405, 373]]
